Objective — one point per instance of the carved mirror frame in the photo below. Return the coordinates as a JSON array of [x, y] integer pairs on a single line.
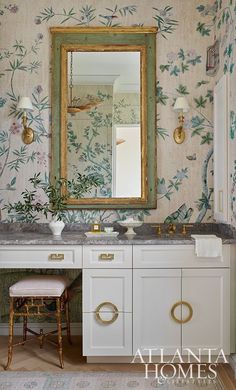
[[141, 39]]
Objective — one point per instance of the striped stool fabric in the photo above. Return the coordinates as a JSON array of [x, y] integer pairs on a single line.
[[39, 296]]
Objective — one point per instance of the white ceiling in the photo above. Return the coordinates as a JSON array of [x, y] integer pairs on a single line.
[[121, 69]]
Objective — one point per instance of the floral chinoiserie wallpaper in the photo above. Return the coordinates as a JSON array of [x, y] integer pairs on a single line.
[[186, 29], [89, 139]]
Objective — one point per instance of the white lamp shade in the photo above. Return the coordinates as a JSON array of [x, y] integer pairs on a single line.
[[25, 104], [181, 104]]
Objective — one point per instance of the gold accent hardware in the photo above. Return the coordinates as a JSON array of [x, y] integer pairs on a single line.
[[25, 105], [114, 312], [106, 256], [158, 228], [181, 105], [171, 228], [96, 227], [188, 318], [220, 194], [56, 256], [179, 133], [28, 135], [184, 231]]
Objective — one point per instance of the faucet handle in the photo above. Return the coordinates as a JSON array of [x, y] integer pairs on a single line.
[[158, 228], [171, 228], [184, 231]]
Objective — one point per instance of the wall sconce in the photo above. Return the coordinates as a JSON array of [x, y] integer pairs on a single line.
[[181, 106], [28, 133]]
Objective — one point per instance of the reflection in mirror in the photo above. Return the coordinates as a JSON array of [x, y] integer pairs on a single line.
[[103, 120]]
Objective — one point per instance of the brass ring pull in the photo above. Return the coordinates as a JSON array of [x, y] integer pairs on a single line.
[[188, 318], [114, 312]]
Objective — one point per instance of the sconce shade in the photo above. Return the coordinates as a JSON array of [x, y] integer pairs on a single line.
[[25, 104], [181, 104]]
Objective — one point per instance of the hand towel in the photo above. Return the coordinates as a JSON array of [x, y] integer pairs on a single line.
[[207, 245]]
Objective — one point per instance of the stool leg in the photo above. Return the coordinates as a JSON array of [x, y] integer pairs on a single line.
[[59, 332], [67, 309], [25, 320], [10, 338], [41, 338]]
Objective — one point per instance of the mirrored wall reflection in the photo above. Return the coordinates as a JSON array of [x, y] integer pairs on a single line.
[[103, 120]]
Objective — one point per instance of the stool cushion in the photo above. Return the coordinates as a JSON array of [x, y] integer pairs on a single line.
[[39, 286]]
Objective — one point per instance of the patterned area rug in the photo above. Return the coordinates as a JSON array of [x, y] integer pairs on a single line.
[[97, 381]]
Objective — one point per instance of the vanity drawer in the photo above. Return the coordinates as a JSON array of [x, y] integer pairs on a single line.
[[176, 256], [102, 339], [107, 256], [107, 285], [36, 256]]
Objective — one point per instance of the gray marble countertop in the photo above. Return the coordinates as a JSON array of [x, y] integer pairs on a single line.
[[73, 234], [78, 238]]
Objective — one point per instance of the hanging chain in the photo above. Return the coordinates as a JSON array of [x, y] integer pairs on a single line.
[[71, 77]]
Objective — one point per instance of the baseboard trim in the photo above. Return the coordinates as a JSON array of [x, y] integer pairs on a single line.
[[109, 359], [76, 328]]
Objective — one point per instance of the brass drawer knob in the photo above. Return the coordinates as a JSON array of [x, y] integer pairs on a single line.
[[56, 257], [115, 313], [107, 256], [188, 318]]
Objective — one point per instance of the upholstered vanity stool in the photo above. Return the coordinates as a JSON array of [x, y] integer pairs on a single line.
[[39, 296]]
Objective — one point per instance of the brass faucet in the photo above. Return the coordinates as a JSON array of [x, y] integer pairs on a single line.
[[184, 231], [171, 228], [158, 231]]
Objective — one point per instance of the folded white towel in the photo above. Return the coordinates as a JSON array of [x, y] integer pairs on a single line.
[[207, 245]]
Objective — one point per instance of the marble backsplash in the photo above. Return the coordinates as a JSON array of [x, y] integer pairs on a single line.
[[146, 229]]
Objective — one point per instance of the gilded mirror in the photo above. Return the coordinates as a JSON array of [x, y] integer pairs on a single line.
[[103, 113]]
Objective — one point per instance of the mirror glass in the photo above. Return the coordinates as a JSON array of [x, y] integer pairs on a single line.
[[103, 121]]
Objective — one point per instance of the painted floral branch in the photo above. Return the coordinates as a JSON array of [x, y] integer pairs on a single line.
[[86, 15], [166, 25], [167, 191], [110, 19], [203, 204]]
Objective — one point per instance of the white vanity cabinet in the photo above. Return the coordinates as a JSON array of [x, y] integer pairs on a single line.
[[41, 256], [154, 293], [141, 296], [208, 292], [107, 301], [184, 307]]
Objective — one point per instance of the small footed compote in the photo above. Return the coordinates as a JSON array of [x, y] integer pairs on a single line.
[[130, 224]]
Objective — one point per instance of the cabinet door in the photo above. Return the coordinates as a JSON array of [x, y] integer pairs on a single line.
[[107, 285], [113, 339], [208, 293], [107, 312], [155, 292]]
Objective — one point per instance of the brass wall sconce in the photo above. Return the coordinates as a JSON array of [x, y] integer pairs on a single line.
[[181, 106], [28, 133]]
